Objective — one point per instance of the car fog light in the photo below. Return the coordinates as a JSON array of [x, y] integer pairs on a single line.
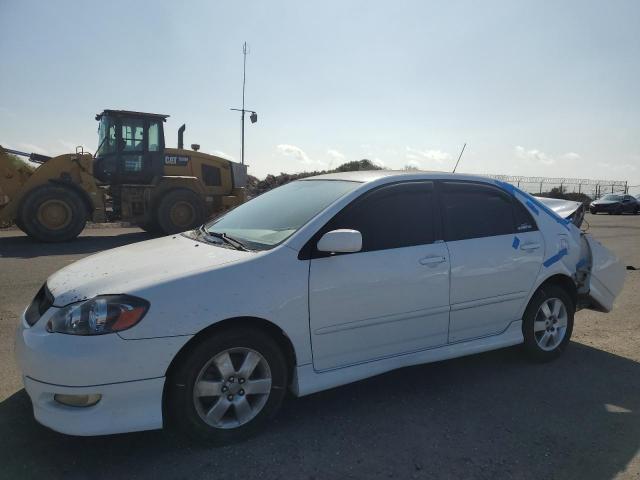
[[77, 400]]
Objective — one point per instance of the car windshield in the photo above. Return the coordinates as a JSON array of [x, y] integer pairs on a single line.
[[106, 136], [614, 198], [274, 216]]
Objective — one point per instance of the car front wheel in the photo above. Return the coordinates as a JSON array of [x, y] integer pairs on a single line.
[[228, 386], [548, 323]]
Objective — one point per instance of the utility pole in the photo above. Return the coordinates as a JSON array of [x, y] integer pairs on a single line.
[[254, 115]]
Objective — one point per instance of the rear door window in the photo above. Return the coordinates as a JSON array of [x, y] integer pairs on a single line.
[[473, 210]]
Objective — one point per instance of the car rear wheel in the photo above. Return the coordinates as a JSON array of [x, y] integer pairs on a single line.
[[228, 386], [548, 323]]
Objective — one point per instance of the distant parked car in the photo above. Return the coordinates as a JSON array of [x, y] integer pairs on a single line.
[[615, 204]]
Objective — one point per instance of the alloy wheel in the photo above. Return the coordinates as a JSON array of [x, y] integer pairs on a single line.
[[550, 324], [232, 388]]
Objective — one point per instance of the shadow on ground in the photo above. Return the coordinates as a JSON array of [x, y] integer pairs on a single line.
[[488, 416], [21, 246]]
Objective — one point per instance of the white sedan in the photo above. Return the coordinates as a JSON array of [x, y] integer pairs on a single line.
[[315, 284]]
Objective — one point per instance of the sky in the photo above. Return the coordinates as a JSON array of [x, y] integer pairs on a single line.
[[541, 88]]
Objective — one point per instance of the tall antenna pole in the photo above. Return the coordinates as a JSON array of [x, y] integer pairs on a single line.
[[254, 116], [459, 157], [244, 77]]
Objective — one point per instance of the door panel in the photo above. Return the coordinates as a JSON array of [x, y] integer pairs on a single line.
[[495, 252], [490, 280], [374, 304], [393, 296]]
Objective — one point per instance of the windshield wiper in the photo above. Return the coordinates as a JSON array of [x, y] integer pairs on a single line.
[[237, 244]]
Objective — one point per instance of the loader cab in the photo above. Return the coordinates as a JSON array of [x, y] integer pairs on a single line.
[[130, 147]]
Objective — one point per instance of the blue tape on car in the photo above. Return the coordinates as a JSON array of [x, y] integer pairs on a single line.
[[551, 260], [581, 263], [536, 203], [532, 207], [516, 242]]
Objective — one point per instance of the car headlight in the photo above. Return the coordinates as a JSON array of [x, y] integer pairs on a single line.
[[99, 315]]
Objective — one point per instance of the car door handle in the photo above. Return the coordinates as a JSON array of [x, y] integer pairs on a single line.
[[529, 246], [432, 260]]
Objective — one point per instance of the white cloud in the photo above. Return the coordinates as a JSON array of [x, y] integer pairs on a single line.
[[298, 154], [31, 148], [336, 156], [431, 156], [533, 155], [571, 156], [412, 165], [378, 163], [218, 153]]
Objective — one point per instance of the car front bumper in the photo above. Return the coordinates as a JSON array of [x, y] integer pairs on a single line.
[[607, 207], [123, 407], [128, 375]]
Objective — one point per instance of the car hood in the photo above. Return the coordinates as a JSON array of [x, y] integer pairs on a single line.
[[139, 265]]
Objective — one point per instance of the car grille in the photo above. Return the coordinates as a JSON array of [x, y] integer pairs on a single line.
[[40, 304]]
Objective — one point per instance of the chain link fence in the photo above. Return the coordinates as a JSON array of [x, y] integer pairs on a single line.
[[540, 185]]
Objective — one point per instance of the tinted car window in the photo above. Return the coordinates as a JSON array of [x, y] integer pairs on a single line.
[[475, 211], [524, 222], [391, 217]]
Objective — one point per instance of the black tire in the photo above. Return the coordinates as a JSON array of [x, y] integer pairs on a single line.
[[180, 210], [531, 342], [19, 224], [180, 408], [52, 213], [151, 228], [636, 211]]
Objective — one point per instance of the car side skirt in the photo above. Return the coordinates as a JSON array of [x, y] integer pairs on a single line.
[[308, 381]]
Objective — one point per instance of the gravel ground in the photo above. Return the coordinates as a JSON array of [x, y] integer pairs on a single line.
[[490, 416]]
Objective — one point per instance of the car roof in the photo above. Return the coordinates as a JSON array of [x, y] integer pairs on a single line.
[[388, 176]]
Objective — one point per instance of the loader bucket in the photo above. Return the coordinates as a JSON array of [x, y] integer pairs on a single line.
[[14, 173]]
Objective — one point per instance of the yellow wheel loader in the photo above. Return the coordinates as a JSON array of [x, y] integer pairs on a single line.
[[132, 177]]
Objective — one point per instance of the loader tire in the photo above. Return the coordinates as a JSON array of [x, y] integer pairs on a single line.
[[180, 210], [151, 227], [52, 213], [19, 224]]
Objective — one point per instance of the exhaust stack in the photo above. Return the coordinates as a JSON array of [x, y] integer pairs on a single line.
[[181, 135]]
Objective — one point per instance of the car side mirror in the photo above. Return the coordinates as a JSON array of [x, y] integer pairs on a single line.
[[340, 241]]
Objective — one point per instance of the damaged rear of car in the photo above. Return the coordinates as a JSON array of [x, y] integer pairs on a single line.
[[597, 273]]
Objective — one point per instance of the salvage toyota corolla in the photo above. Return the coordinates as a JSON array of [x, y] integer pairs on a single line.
[[315, 284]]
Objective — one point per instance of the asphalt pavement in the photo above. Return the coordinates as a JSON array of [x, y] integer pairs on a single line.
[[493, 415]]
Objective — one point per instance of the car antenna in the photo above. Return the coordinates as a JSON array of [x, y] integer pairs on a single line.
[[459, 157]]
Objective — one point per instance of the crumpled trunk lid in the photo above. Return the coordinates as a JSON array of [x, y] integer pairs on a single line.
[[600, 275]]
